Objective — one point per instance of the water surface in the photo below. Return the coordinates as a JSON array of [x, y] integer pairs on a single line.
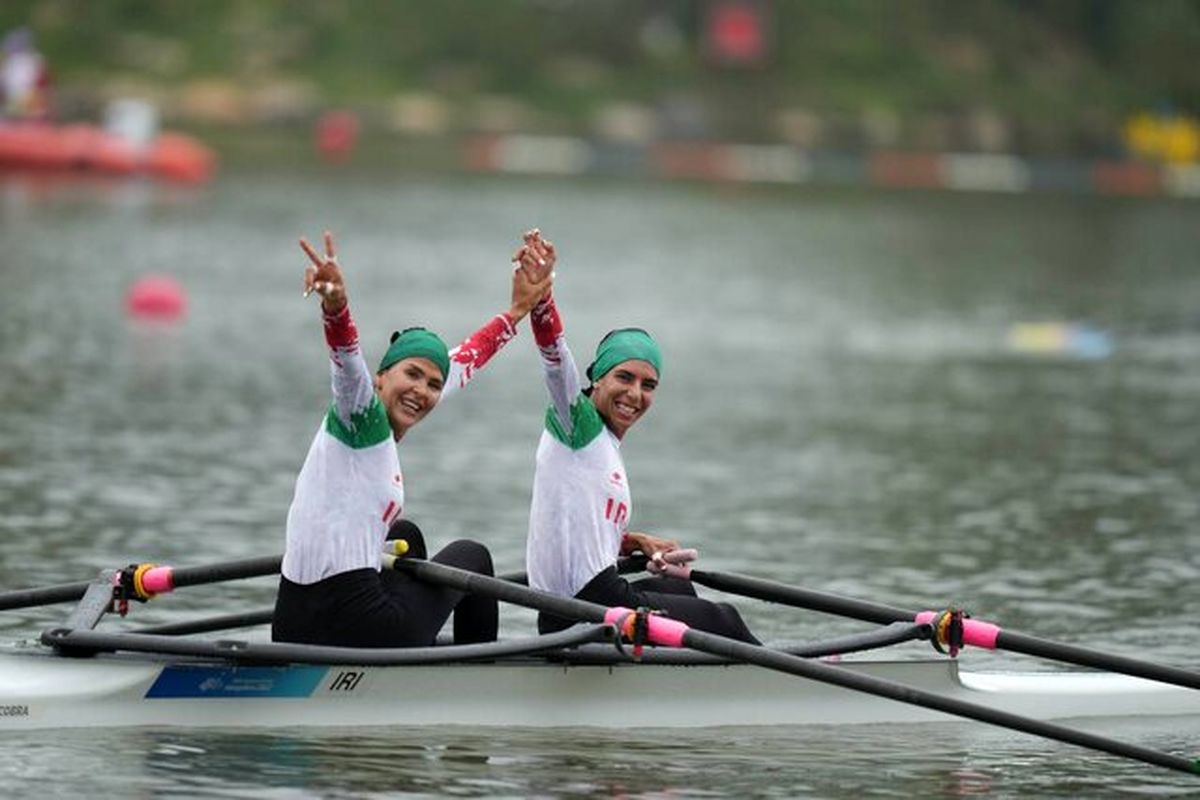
[[841, 408]]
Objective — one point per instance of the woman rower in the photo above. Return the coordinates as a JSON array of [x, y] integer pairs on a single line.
[[350, 493], [578, 522]]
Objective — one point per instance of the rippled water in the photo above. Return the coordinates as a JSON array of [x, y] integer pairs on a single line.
[[841, 408], [952, 760]]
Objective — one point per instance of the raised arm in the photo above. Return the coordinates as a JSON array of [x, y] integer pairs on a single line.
[[353, 390], [476, 350], [537, 257]]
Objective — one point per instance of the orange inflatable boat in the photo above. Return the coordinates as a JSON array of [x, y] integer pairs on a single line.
[[90, 149]]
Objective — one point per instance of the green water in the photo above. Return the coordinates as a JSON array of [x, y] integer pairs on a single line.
[[841, 408]]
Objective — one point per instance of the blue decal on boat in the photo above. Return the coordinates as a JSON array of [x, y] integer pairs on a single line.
[[217, 681]]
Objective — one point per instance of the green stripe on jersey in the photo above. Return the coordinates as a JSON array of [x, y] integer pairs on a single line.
[[586, 424], [367, 427]]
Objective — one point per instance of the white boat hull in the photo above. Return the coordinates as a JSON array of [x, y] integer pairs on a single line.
[[42, 690]]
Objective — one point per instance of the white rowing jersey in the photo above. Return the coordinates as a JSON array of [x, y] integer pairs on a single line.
[[581, 501], [350, 489]]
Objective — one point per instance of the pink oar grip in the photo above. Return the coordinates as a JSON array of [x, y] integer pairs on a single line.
[[673, 563], [614, 615], [159, 580], [677, 571], [667, 632], [975, 632], [681, 556], [980, 634]]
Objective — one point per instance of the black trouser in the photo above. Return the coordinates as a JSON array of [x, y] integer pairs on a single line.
[[366, 608], [676, 597]]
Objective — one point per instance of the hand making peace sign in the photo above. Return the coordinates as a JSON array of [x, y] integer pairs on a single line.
[[324, 276]]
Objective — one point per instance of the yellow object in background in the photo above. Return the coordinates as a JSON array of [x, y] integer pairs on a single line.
[[1038, 337], [1174, 139], [1059, 339]]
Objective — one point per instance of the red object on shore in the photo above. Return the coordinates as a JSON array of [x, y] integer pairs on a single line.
[[337, 135], [906, 170], [1130, 178], [156, 297], [89, 149]]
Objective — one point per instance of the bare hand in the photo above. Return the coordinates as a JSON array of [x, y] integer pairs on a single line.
[[527, 293], [649, 545], [324, 276], [533, 275], [537, 256]]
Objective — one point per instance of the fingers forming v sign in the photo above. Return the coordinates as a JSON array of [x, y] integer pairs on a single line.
[[323, 275]]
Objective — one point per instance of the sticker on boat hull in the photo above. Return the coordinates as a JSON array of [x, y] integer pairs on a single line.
[[215, 681]]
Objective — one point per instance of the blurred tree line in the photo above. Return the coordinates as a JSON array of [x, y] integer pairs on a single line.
[[1032, 76]]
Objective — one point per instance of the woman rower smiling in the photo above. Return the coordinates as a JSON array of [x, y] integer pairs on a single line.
[[350, 492], [579, 518]]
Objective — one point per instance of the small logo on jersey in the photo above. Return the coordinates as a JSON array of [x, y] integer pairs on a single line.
[[617, 478]]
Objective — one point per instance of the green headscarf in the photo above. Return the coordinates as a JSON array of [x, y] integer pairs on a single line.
[[417, 343], [624, 344]]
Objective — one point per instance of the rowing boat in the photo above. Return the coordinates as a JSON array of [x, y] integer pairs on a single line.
[[592, 685], [617, 668]]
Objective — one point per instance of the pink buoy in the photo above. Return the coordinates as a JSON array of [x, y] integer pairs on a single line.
[[156, 297], [336, 135]]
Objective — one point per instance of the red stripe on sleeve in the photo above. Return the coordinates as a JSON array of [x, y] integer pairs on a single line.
[[339, 329], [478, 348], [547, 326]]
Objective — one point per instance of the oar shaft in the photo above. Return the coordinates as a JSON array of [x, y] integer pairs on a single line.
[[515, 593], [43, 596], [827, 602], [160, 579], [671, 632], [625, 565], [815, 670], [228, 571], [208, 624], [85, 641], [976, 633], [1086, 657]]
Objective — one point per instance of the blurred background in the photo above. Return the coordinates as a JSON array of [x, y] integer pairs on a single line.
[[925, 275], [626, 86]]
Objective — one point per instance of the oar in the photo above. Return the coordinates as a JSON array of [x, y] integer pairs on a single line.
[[168, 578], [975, 632], [247, 619], [156, 580], [88, 641], [672, 633]]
